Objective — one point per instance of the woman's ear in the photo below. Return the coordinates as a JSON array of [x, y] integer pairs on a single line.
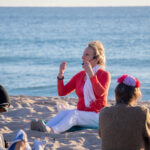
[[96, 59]]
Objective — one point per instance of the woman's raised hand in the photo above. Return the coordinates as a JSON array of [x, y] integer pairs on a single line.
[[88, 68], [62, 69]]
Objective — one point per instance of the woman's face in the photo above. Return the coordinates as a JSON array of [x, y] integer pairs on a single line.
[[88, 55]]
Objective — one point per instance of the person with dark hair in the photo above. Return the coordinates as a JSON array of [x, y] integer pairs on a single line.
[[20, 141], [125, 126], [91, 86], [4, 100], [4, 104]]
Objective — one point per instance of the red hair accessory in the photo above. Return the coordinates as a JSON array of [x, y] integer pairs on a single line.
[[129, 80], [137, 83], [120, 80]]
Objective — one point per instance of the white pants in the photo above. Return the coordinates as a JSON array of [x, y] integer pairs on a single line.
[[66, 119]]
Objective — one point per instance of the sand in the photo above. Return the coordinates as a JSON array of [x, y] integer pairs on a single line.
[[25, 108]]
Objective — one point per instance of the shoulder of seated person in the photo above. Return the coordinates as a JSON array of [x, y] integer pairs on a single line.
[[141, 108], [105, 109], [102, 71], [81, 72]]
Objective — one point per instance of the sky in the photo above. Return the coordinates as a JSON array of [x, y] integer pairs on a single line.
[[68, 3]]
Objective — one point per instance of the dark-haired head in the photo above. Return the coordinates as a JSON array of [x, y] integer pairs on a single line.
[[127, 91], [4, 99]]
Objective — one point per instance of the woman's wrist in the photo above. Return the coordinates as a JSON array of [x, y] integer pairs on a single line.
[[60, 76], [90, 74]]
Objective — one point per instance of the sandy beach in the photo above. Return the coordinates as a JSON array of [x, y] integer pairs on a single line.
[[25, 108]]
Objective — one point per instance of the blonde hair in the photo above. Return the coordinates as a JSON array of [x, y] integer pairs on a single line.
[[98, 49]]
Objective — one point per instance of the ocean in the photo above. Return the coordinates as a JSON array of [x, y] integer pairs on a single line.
[[34, 41]]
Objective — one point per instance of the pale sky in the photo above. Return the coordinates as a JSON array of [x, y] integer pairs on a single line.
[[67, 3]]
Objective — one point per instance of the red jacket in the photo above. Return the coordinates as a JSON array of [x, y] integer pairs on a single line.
[[100, 83]]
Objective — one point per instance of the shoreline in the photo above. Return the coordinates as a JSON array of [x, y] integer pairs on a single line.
[[25, 108]]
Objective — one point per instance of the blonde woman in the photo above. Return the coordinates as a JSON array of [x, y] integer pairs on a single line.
[[91, 86]]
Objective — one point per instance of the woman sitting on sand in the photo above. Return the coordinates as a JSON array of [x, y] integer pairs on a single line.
[[125, 126], [91, 86]]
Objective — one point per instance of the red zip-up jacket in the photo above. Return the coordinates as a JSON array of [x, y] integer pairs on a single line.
[[100, 83]]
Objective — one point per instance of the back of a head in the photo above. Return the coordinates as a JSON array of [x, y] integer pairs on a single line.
[[98, 49], [4, 98], [127, 89]]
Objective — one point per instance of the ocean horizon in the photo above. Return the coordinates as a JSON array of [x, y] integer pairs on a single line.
[[35, 40]]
